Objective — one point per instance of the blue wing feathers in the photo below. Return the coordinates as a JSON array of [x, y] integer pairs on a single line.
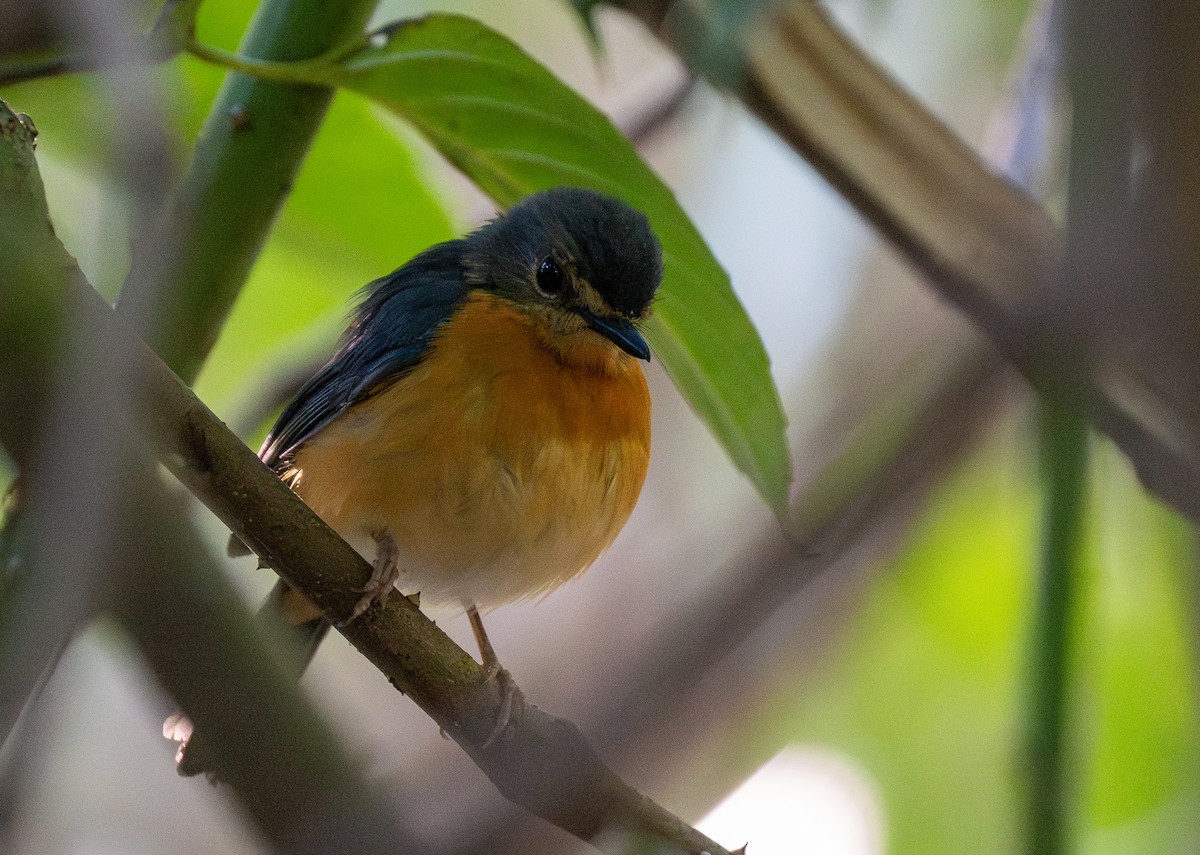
[[393, 327]]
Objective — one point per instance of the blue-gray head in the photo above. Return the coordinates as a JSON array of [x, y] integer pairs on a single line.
[[570, 252]]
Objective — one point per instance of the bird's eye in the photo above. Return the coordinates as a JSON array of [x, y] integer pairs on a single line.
[[550, 279]]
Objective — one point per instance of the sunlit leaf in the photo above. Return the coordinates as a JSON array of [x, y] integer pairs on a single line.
[[514, 129]]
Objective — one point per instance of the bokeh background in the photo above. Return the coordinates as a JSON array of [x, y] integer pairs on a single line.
[[875, 707]]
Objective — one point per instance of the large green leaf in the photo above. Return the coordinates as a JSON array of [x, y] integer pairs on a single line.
[[514, 128]]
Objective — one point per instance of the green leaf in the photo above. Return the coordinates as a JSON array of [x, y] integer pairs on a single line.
[[514, 129]]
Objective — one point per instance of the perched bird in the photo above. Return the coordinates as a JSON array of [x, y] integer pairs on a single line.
[[483, 430]]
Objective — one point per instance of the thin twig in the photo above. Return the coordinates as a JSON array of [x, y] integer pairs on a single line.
[[1064, 454], [22, 70], [307, 72]]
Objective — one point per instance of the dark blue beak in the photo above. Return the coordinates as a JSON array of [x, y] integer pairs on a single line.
[[620, 332]]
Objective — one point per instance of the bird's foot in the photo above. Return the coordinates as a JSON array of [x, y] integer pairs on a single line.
[[512, 702], [385, 571], [512, 699]]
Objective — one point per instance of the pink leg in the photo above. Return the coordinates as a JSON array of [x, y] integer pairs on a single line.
[[385, 570], [511, 699]]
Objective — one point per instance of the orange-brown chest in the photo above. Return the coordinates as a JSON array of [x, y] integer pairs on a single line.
[[500, 466]]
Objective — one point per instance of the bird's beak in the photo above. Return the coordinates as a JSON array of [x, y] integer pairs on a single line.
[[620, 332]]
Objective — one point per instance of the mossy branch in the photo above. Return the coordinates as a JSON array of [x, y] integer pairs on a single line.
[[546, 766]]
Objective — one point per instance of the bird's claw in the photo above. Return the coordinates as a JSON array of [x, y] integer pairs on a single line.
[[512, 703], [385, 572]]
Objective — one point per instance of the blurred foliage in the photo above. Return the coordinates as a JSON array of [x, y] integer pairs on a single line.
[[923, 689]]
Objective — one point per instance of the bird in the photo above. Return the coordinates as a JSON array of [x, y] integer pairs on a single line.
[[482, 431]]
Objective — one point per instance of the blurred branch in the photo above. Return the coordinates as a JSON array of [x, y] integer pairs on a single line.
[[850, 520], [246, 159], [80, 382], [19, 69], [983, 245], [545, 766], [150, 50], [35, 624], [982, 241], [171, 30], [642, 126], [286, 766], [1169, 208]]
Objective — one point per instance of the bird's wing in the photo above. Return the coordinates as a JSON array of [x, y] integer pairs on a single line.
[[393, 327]]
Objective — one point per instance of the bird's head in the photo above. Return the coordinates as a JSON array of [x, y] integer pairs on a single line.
[[582, 264]]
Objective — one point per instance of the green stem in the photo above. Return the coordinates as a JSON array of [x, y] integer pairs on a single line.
[[312, 72], [1065, 463], [246, 160]]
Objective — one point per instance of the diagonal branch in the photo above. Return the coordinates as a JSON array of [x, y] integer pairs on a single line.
[[546, 765], [304, 791]]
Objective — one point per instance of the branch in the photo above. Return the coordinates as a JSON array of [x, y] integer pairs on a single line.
[[150, 50], [546, 766], [32, 68], [35, 625], [982, 244], [282, 759]]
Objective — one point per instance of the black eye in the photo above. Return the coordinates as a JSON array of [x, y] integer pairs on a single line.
[[550, 279]]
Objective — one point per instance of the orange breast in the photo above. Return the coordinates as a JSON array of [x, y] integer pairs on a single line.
[[501, 465]]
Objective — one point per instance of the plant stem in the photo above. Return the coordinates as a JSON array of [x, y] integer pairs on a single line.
[[1065, 462], [306, 72], [246, 159]]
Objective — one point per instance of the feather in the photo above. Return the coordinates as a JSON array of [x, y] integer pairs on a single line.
[[397, 319]]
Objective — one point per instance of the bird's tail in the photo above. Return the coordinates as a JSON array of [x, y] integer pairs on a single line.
[[286, 612]]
